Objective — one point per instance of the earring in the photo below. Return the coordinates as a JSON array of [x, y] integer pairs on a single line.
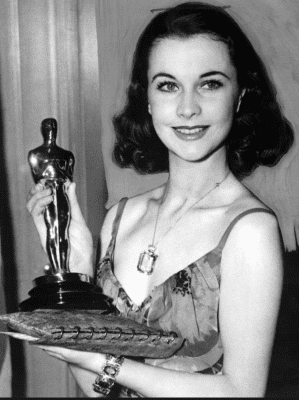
[[239, 104], [240, 100]]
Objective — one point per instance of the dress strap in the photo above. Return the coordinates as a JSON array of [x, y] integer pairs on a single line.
[[116, 222], [235, 220]]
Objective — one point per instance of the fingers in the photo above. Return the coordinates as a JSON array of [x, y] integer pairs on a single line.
[[60, 353], [53, 349], [21, 336], [34, 190], [38, 198]]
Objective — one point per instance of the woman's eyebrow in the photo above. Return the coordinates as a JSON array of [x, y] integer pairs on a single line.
[[205, 75], [162, 74]]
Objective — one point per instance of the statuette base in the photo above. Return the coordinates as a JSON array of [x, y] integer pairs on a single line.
[[66, 291]]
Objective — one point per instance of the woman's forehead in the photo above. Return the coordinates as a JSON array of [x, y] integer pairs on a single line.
[[198, 53]]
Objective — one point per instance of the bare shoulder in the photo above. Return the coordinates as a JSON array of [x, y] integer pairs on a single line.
[[254, 223], [135, 207], [254, 241], [253, 228], [106, 230], [254, 245]]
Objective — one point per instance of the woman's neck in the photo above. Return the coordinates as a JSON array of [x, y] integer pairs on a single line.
[[191, 180]]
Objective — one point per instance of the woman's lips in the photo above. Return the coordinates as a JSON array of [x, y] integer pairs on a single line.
[[190, 132]]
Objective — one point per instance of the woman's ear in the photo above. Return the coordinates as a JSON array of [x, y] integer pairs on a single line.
[[149, 109], [240, 99]]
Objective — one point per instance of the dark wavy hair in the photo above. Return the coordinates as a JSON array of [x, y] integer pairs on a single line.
[[260, 134]]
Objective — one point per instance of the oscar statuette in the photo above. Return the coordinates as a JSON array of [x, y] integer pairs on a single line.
[[59, 288]]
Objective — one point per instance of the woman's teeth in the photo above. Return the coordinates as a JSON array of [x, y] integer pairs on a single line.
[[188, 131]]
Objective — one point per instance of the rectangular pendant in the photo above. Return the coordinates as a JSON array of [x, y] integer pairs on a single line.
[[146, 262]]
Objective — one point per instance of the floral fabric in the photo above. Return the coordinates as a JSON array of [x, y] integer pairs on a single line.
[[186, 303]]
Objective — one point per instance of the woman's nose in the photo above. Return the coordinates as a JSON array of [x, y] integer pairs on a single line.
[[189, 105]]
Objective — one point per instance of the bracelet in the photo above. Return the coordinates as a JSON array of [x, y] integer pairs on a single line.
[[106, 379]]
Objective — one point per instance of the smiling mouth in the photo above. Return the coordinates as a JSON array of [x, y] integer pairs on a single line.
[[193, 130]]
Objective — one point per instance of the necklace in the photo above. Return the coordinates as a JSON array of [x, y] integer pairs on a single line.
[[147, 259]]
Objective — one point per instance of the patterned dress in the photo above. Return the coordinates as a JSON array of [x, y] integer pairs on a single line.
[[186, 303]]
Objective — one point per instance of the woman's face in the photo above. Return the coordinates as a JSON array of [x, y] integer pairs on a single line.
[[193, 94]]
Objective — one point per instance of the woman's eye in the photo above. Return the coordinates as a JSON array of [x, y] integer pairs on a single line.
[[167, 86], [212, 85]]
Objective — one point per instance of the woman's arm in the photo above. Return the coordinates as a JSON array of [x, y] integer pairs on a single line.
[[249, 304], [85, 380], [251, 286]]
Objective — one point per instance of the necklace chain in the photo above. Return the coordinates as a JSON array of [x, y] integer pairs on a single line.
[[154, 245], [147, 259]]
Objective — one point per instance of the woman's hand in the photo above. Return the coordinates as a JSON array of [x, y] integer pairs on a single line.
[[86, 360], [81, 247]]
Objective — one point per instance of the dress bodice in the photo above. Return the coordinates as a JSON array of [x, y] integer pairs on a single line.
[[186, 303]]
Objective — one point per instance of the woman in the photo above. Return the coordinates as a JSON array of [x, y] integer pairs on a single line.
[[200, 105]]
